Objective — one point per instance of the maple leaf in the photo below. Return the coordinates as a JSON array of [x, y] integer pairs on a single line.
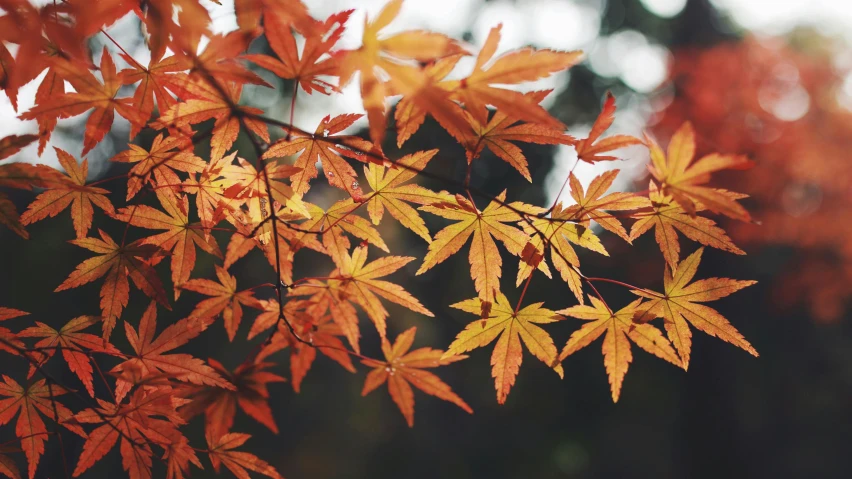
[[409, 113], [557, 233], [226, 300], [7, 465], [90, 93], [681, 178], [527, 64], [250, 191], [180, 237], [359, 281], [9, 341], [390, 192], [7, 67], [221, 452], [24, 176], [73, 193], [498, 133], [592, 204], [209, 189], [11, 144], [218, 62], [30, 428], [42, 35], [220, 405], [149, 417], [158, 165], [589, 149], [75, 346], [150, 352], [219, 103], [330, 151], [314, 61], [283, 13], [512, 327], [332, 223], [117, 263], [388, 55], [153, 80], [484, 226], [618, 326], [668, 217], [572, 225], [315, 329], [402, 368], [178, 24], [9, 216], [51, 88], [679, 306], [325, 298], [321, 335]]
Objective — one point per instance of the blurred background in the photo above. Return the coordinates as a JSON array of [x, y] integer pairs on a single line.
[[766, 78]]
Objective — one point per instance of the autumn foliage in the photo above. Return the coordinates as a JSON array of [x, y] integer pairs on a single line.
[[778, 100], [191, 181]]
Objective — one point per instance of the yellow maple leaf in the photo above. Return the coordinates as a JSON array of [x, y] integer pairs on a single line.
[[619, 327], [512, 327], [679, 306]]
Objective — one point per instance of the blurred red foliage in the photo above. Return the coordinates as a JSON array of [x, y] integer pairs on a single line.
[[780, 101]]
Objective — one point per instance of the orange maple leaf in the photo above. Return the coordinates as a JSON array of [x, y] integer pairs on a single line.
[[331, 224], [73, 193], [680, 306], [181, 237], [218, 62], [618, 326], [314, 61], [220, 405], [410, 113], [24, 176], [589, 149], [512, 326], [484, 226], [153, 80], [502, 129], [315, 329], [667, 217], [226, 300], [330, 150], [33, 402], [389, 55], [359, 282], [390, 193], [11, 144], [402, 368], [9, 341], [682, 179], [90, 93], [325, 298], [592, 205], [148, 418], [284, 13], [221, 452], [117, 262], [476, 91], [157, 165], [205, 102], [75, 346], [151, 358]]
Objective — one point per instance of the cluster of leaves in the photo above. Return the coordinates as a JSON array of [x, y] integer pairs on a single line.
[[745, 105], [154, 390]]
